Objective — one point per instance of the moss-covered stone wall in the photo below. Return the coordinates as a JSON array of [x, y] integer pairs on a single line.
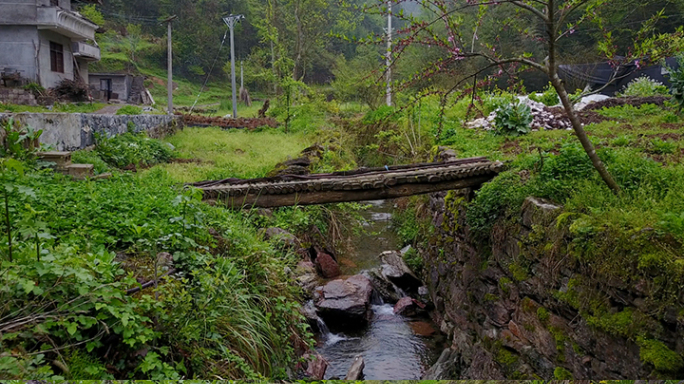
[[524, 304]]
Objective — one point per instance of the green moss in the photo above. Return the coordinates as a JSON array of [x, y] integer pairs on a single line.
[[505, 357], [561, 373], [543, 315], [490, 297], [503, 285], [627, 323], [519, 273], [659, 355], [528, 305]]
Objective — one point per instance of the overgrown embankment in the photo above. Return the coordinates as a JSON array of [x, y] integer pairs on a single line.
[[545, 273], [134, 277]]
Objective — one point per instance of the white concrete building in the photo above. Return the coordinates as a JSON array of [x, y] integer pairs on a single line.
[[45, 41]]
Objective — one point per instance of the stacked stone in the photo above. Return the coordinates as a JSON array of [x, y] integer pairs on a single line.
[[17, 96]]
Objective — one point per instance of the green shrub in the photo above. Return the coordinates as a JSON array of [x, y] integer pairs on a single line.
[[129, 110], [549, 97], [513, 119], [132, 148], [677, 83], [662, 147], [644, 87], [413, 260], [90, 157]]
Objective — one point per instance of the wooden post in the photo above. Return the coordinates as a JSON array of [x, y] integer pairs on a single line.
[[169, 85]]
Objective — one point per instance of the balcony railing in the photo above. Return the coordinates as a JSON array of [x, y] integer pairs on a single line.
[[85, 51], [66, 23]]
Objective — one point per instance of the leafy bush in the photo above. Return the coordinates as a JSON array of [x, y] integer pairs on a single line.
[[132, 149], [677, 83], [513, 119], [129, 110], [90, 157], [644, 87], [549, 97], [662, 147]]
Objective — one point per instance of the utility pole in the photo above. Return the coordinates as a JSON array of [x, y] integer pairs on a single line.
[[169, 85], [231, 20], [388, 73]]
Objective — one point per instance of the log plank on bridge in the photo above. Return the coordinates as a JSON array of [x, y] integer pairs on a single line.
[[358, 185]]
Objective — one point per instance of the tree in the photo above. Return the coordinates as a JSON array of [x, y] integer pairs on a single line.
[[542, 23]]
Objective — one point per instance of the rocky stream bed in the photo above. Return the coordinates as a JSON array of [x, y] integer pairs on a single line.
[[369, 311]]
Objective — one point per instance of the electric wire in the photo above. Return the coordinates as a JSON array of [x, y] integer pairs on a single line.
[[206, 80]]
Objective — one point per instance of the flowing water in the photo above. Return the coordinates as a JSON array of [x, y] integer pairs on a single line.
[[391, 345]]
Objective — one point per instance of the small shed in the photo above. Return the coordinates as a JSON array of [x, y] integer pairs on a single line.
[[109, 87]]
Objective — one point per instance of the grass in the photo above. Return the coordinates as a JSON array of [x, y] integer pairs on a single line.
[[231, 153]]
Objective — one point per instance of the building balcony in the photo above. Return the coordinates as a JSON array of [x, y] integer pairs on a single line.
[[85, 51], [65, 23]]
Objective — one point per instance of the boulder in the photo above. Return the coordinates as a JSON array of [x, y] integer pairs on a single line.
[[282, 236], [395, 270], [386, 289], [327, 266], [408, 306], [445, 368], [345, 303], [356, 370], [305, 274], [422, 328], [316, 367], [405, 307]]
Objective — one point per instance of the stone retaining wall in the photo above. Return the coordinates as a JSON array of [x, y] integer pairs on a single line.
[[17, 96], [514, 309], [72, 131]]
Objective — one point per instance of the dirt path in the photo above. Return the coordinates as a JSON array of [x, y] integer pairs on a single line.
[[110, 109]]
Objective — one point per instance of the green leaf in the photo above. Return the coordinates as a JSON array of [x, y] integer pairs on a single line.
[[72, 328]]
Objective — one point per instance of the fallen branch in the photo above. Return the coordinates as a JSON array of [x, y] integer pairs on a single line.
[[149, 283]]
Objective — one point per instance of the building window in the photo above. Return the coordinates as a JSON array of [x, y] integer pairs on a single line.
[[54, 3], [57, 57]]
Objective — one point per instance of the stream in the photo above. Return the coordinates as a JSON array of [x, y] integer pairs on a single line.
[[391, 345]]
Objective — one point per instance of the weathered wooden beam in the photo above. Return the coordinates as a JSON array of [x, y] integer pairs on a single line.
[[263, 200]]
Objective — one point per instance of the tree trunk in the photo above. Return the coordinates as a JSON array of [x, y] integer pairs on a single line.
[[297, 72], [582, 135], [552, 68]]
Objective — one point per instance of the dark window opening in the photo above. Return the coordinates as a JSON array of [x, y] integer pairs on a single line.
[[54, 3], [57, 57]]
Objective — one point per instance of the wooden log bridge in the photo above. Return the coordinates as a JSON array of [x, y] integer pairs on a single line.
[[358, 185]]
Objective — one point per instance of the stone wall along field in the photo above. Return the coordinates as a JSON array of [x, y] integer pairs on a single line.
[[73, 131]]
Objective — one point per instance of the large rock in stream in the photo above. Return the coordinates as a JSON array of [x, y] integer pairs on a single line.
[[395, 270], [345, 303]]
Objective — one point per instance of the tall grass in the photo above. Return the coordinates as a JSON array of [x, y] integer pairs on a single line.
[[232, 153]]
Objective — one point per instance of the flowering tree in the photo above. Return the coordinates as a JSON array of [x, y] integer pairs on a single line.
[[541, 23]]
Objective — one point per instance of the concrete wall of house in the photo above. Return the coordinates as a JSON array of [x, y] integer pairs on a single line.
[[48, 78], [72, 131], [19, 46], [66, 4], [17, 12], [83, 69]]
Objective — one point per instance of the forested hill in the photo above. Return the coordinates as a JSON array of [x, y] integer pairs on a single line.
[[300, 38]]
